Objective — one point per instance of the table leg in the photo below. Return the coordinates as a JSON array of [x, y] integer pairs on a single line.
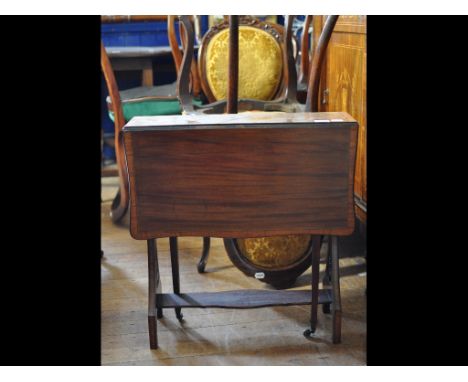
[[147, 77], [175, 271], [336, 304], [204, 257], [326, 281], [316, 240], [153, 282]]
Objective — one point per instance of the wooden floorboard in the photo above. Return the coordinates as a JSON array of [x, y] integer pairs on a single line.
[[215, 336]]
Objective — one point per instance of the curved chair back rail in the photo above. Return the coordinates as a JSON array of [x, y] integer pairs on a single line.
[[120, 203], [173, 43], [241, 175], [317, 63]]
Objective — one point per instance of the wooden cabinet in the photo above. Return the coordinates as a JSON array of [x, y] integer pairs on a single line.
[[343, 88]]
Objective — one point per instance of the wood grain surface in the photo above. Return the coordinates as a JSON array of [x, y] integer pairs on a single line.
[[253, 178]]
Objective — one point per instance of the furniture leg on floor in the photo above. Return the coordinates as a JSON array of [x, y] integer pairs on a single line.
[[175, 271], [336, 296], [315, 284], [153, 283], [326, 281], [204, 257]]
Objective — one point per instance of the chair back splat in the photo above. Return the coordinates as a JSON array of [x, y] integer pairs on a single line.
[[291, 74], [305, 58], [183, 77], [177, 54]]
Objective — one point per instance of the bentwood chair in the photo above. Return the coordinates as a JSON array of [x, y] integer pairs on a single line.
[[139, 101], [266, 82]]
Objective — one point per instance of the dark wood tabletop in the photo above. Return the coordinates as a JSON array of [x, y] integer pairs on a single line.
[[241, 175]]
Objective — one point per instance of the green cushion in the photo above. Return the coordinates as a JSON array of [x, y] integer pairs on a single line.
[[151, 107]]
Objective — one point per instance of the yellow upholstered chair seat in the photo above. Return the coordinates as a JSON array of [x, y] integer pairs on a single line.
[[274, 252], [260, 64]]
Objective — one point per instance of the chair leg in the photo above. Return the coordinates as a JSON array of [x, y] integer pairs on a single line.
[[153, 283], [315, 284], [175, 271], [119, 207], [328, 265], [204, 257], [336, 304], [327, 277]]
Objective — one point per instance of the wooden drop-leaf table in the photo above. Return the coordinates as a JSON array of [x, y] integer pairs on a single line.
[[239, 176]]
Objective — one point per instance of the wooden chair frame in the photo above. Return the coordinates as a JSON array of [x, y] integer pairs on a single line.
[[275, 30], [305, 57], [119, 205], [177, 53], [287, 102]]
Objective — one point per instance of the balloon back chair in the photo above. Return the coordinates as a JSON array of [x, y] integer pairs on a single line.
[[267, 81], [142, 101], [139, 101]]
